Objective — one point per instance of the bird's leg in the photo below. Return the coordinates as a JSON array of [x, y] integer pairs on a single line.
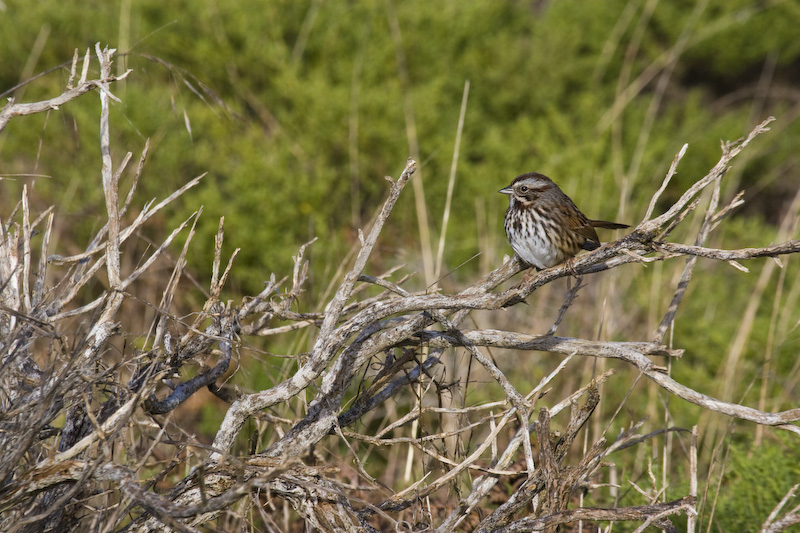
[[526, 276], [570, 267]]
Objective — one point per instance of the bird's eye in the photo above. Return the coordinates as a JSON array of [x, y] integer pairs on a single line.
[[523, 189]]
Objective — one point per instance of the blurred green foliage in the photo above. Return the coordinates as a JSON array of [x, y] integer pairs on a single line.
[[754, 480], [314, 115], [754, 483]]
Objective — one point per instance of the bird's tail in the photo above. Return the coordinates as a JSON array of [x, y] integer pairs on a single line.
[[607, 225]]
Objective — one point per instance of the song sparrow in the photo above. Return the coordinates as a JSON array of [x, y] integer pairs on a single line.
[[543, 226]]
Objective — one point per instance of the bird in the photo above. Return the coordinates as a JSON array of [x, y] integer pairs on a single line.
[[544, 226]]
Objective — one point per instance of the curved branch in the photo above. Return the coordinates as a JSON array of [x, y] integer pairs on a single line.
[[183, 391], [633, 353], [12, 109], [639, 513], [784, 248]]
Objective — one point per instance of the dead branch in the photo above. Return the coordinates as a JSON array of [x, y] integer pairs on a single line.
[[636, 514], [12, 109]]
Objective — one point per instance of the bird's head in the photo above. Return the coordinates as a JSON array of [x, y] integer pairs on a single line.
[[527, 188]]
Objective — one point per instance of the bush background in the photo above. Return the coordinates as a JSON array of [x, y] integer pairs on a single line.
[[297, 109]]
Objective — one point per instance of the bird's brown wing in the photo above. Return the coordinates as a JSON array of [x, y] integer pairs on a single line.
[[580, 225], [587, 232]]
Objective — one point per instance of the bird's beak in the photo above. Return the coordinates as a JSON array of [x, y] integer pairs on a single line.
[[507, 190]]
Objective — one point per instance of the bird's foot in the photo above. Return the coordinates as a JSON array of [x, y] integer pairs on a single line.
[[526, 276], [570, 266]]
